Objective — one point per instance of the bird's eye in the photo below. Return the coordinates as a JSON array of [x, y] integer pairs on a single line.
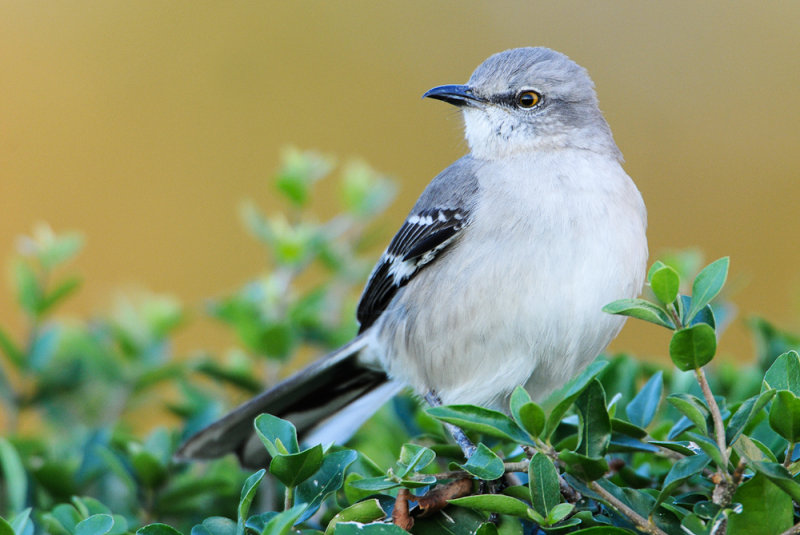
[[528, 99]]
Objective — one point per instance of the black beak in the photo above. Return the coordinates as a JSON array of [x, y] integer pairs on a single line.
[[457, 95]]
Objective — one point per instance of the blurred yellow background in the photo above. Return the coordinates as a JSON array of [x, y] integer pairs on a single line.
[[144, 124]]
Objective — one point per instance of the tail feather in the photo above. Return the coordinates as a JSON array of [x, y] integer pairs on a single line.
[[310, 399]]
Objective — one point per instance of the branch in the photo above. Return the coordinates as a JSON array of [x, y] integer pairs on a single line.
[[716, 415], [794, 530], [639, 521]]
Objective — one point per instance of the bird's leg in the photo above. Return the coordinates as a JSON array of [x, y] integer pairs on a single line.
[[458, 435]]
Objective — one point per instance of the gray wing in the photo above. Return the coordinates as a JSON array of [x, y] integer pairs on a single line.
[[436, 220]]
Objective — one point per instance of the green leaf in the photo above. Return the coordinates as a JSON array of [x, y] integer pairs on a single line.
[[157, 529], [249, 490], [526, 413], [642, 408], [216, 525], [278, 436], [626, 428], [570, 392], [5, 527], [780, 476], [59, 293], [487, 529], [11, 350], [545, 491], [640, 309], [486, 421], [327, 479], [364, 512], [95, 525], [595, 429], [14, 476], [658, 264], [784, 374], [22, 523], [413, 458], [375, 484], [766, 509], [494, 503], [559, 512], [484, 464], [282, 523], [583, 467], [665, 283], [356, 528], [691, 407], [602, 530], [710, 448], [693, 347], [784, 415], [707, 285], [680, 472], [744, 414], [295, 468]]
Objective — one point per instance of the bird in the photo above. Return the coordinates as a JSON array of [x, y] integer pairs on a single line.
[[498, 275]]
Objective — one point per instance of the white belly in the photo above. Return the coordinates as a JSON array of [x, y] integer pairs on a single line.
[[517, 300]]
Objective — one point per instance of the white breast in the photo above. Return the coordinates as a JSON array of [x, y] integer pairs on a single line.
[[517, 299]]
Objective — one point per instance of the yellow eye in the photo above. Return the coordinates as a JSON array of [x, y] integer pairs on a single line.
[[528, 99]]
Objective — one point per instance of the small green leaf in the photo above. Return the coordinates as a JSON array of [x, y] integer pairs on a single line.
[[680, 472], [487, 421], [216, 525], [494, 503], [709, 447], [364, 512], [484, 464], [29, 294], [570, 392], [375, 484], [413, 458], [784, 374], [157, 529], [595, 428], [282, 523], [559, 513], [658, 264], [665, 283], [766, 508], [294, 468], [691, 407], [784, 415], [327, 479], [246, 498], [693, 347], [526, 413], [545, 491], [779, 475], [275, 432], [5, 527], [59, 293], [356, 528], [642, 408], [707, 285], [640, 309], [15, 479], [95, 525], [744, 414]]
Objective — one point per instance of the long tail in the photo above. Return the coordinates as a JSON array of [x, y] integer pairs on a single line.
[[326, 402]]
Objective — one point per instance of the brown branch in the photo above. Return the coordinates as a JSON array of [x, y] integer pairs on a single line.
[[794, 530], [639, 521], [436, 499], [400, 516]]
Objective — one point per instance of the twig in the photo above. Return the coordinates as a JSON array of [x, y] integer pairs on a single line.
[[437, 499], [716, 415], [641, 522], [794, 530], [400, 516]]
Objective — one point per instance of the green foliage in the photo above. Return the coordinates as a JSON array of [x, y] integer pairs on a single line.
[[603, 455]]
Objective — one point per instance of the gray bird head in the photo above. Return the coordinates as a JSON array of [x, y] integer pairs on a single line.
[[529, 99]]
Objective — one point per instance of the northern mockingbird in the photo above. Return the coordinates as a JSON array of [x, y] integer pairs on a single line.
[[498, 275]]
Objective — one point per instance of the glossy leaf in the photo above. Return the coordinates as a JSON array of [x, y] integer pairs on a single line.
[[295, 468], [665, 283], [745, 414], [784, 374], [413, 458], [282, 523], [693, 347], [583, 467], [680, 472], [545, 491], [157, 529], [595, 425], [249, 490], [691, 407], [780, 476], [95, 525], [767, 509], [278, 436], [327, 479], [569, 393], [215, 525], [494, 503], [526, 413], [356, 528], [364, 512], [489, 422], [784, 415], [642, 408], [707, 285], [640, 309], [484, 464]]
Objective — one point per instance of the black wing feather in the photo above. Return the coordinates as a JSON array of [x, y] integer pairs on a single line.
[[418, 242]]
